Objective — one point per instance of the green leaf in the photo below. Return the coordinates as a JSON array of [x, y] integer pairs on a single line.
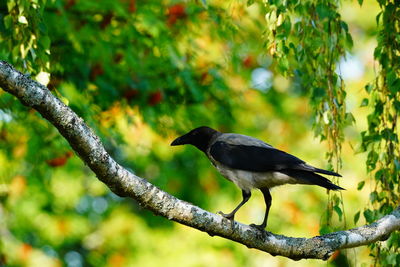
[[396, 105], [372, 158], [349, 119], [324, 11], [325, 229], [45, 42], [287, 25], [349, 40], [391, 259], [356, 217], [10, 4], [283, 31], [378, 17], [283, 64], [380, 174], [360, 2], [8, 21], [389, 135], [318, 93], [360, 185], [377, 52], [250, 2], [369, 215], [344, 26], [369, 88], [394, 240], [397, 164], [393, 82], [42, 28], [364, 102], [339, 212], [373, 196]]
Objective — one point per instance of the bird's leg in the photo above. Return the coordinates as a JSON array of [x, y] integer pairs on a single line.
[[268, 200], [246, 196]]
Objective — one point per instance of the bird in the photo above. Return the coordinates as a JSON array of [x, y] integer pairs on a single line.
[[253, 164]]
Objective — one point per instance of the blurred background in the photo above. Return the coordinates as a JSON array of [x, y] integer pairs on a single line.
[[141, 73]]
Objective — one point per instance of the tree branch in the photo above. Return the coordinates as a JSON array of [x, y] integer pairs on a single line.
[[88, 146]]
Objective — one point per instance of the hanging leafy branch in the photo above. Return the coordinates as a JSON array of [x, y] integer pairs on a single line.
[[309, 50], [381, 139], [25, 36]]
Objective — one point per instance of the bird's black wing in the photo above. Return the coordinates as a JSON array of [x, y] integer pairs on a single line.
[[253, 158]]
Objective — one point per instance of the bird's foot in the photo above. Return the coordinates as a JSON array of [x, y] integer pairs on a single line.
[[260, 227], [228, 216]]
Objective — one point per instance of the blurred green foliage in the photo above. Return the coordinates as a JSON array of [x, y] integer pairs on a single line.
[[142, 72]]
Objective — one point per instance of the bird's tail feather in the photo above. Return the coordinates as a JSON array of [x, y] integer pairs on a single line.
[[309, 168], [327, 172], [312, 178]]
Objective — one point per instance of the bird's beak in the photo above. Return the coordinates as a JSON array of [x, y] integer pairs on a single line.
[[179, 141]]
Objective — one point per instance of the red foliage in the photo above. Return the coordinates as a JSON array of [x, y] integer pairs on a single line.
[[176, 12], [132, 6], [106, 20], [59, 161], [97, 69], [205, 78], [3, 134], [155, 98], [69, 4], [249, 62], [131, 94], [118, 57]]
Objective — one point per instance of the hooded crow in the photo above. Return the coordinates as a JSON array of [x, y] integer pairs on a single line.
[[251, 163]]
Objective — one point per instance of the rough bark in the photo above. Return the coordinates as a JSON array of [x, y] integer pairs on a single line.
[[90, 149]]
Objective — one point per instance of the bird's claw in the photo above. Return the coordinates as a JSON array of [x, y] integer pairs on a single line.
[[259, 227], [228, 216]]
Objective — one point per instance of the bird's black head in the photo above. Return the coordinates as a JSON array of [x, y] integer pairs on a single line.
[[199, 137]]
